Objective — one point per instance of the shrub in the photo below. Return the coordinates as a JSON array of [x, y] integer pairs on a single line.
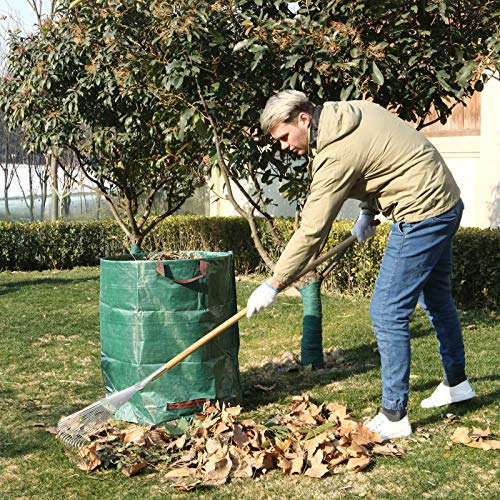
[[47, 245]]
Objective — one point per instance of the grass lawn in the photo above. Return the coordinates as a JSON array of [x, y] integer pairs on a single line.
[[50, 366]]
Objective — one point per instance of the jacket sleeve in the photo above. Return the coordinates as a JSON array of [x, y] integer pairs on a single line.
[[330, 187]]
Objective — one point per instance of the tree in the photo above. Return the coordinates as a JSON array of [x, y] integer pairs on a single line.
[[10, 157], [71, 87], [225, 59]]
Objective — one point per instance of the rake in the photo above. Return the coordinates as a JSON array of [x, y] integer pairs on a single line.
[[74, 431]]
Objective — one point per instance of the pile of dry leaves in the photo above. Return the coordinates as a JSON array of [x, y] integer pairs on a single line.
[[313, 440], [172, 256]]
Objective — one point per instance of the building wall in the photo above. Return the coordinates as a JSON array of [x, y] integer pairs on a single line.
[[470, 144], [475, 159]]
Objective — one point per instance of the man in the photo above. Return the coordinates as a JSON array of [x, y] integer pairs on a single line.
[[360, 150]]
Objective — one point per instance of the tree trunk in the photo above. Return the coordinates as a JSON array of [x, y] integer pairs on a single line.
[[98, 206], [311, 347], [6, 200], [54, 207], [31, 195]]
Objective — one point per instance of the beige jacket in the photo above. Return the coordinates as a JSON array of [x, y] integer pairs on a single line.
[[365, 152]]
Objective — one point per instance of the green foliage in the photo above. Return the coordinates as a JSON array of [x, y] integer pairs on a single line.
[[214, 234], [37, 246], [224, 59], [476, 273], [57, 245], [80, 84]]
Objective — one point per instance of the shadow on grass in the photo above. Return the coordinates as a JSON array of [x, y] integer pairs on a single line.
[[18, 285], [289, 383]]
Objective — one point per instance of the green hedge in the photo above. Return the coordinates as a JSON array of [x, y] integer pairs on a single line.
[[37, 246]]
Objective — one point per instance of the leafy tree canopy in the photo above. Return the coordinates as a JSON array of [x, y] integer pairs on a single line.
[[75, 85]]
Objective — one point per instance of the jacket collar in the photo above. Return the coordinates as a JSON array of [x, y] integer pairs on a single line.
[[313, 130]]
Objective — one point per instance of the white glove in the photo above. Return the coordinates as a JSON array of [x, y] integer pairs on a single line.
[[363, 228], [261, 298]]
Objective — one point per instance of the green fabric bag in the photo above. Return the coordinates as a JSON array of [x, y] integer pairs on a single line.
[[150, 311]]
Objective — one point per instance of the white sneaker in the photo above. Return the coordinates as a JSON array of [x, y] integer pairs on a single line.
[[387, 429], [444, 395]]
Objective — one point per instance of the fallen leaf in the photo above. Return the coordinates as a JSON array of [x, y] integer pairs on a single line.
[[461, 435], [134, 434], [212, 446], [358, 464], [131, 471], [180, 442], [388, 449], [217, 471], [90, 460], [188, 486], [317, 471], [477, 433], [264, 388], [491, 444], [297, 465], [240, 437], [180, 472], [284, 464]]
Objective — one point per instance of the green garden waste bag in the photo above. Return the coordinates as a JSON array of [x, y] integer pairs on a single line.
[[150, 311]]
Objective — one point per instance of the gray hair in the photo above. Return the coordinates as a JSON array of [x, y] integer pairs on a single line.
[[284, 107]]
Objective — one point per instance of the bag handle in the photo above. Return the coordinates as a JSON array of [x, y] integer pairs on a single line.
[[202, 269]]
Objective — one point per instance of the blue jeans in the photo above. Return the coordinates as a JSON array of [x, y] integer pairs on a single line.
[[416, 268]]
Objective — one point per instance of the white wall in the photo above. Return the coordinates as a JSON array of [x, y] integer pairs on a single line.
[[473, 160], [475, 163]]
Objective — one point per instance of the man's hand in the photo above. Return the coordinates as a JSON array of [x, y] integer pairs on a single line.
[[262, 298], [363, 228]]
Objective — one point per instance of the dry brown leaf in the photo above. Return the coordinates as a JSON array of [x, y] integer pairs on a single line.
[[338, 459], [283, 446], [180, 472], [228, 414], [388, 449], [240, 437], [358, 464], [491, 444], [135, 434], [316, 459], [362, 435], [461, 435], [477, 432], [284, 464], [188, 486], [90, 459], [154, 438], [264, 388], [297, 465], [180, 442], [318, 470], [264, 459], [212, 446], [131, 471], [337, 410], [216, 471], [240, 463], [219, 428], [312, 444]]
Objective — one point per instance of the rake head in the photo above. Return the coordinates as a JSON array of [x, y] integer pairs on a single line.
[[74, 431]]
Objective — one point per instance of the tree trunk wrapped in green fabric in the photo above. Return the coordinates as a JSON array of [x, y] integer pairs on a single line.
[[311, 352]]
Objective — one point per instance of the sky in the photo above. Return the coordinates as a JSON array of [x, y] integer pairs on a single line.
[[18, 14]]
